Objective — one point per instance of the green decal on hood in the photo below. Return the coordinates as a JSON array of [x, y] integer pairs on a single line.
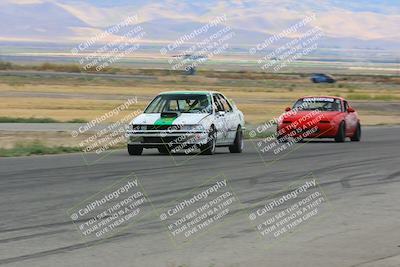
[[165, 121]]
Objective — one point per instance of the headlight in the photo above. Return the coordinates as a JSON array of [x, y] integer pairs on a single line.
[[196, 127], [139, 127]]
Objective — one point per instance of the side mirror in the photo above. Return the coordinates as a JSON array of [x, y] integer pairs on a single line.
[[288, 109], [350, 109]]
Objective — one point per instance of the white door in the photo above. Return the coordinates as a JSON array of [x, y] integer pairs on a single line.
[[220, 120], [230, 125]]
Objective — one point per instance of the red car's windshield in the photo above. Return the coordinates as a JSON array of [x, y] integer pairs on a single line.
[[318, 103]]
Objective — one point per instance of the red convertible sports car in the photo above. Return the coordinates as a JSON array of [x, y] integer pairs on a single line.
[[319, 117]]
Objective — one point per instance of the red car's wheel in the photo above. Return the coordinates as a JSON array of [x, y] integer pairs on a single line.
[[357, 134], [341, 133], [281, 139]]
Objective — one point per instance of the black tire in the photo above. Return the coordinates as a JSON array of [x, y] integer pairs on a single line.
[[357, 134], [238, 144], [164, 150], [135, 150], [341, 134], [209, 148], [281, 139]]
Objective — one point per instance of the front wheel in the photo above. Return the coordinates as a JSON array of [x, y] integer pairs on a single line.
[[135, 150], [238, 144], [341, 134], [281, 139], [209, 147], [357, 134]]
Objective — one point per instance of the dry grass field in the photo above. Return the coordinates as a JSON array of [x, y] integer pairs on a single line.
[[260, 96]]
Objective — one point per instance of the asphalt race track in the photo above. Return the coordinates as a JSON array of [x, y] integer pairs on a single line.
[[360, 227]]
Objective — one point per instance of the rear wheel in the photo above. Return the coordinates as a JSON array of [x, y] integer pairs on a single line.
[[135, 150], [341, 134], [209, 148], [357, 134], [238, 144], [281, 139]]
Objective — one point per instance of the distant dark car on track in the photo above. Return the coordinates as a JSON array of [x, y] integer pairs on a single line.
[[322, 78], [319, 117]]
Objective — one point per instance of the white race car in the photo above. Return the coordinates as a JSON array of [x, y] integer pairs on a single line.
[[187, 120]]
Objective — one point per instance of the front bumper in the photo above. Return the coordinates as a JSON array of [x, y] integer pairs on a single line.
[[154, 138], [319, 130]]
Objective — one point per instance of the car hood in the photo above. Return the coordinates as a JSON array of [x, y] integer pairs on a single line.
[[309, 115], [182, 119]]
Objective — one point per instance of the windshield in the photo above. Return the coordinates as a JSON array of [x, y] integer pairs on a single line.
[[318, 103], [184, 103]]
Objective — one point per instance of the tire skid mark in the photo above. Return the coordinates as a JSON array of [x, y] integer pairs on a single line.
[[122, 236], [322, 184], [391, 176], [36, 226], [62, 249], [25, 237], [375, 260]]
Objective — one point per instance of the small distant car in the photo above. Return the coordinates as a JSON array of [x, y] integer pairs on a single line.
[[187, 120], [322, 78], [319, 117]]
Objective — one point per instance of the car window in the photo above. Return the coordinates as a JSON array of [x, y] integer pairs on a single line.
[[186, 103], [346, 105], [217, 103], [224, 102], [318, 103], [172, 106]]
